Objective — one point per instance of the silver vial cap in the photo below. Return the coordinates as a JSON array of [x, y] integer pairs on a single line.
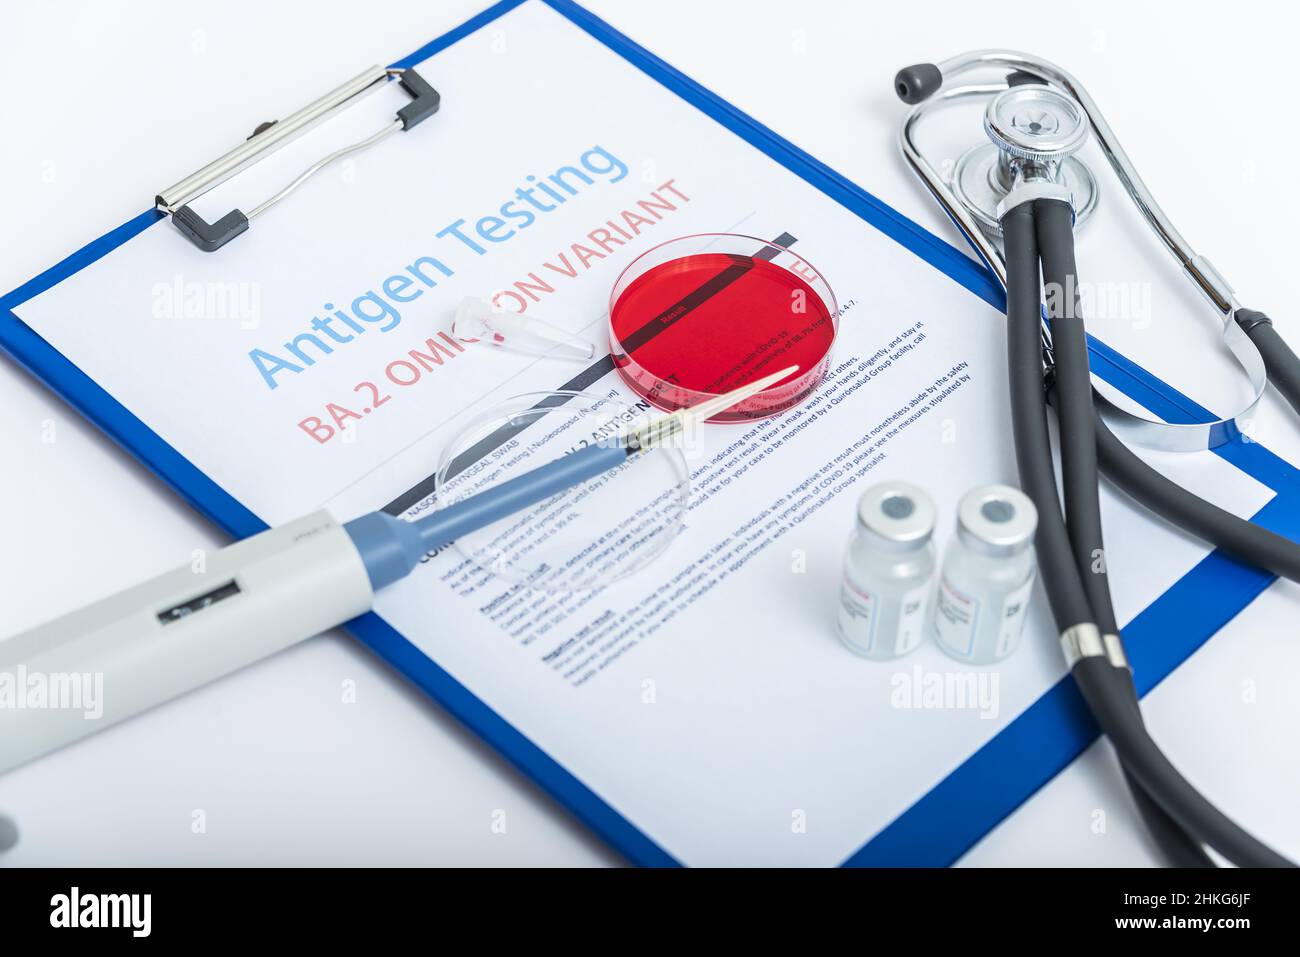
[[897, 516], [996, 520]]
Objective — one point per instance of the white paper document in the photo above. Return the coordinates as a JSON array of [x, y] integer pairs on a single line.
[[706, 698]]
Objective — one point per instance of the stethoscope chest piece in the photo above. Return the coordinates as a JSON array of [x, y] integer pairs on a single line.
[[1029, 123], [1036, 117]]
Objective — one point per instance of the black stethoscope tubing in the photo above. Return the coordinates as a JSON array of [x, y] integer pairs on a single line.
[[1070, 546]]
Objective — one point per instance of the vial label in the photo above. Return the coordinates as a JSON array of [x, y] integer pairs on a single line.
[[1013, 617], [955, 617], [857, 618], [911, 619]]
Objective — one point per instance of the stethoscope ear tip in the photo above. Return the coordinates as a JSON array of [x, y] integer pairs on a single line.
[[917, 82]]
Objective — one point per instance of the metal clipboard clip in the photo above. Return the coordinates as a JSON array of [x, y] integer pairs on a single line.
[[270, 136]]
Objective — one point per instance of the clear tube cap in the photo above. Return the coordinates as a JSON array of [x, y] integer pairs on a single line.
[[527, 334]]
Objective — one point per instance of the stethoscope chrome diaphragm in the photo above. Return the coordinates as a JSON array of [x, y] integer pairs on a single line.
[[1035, 123], [1032, 124]]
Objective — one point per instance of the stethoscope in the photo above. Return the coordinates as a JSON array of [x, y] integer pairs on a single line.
[[1025, 186]]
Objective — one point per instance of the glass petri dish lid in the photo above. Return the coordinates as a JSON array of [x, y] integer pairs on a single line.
[[700, 315]]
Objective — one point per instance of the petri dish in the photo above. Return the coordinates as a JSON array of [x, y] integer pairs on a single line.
[[586, 537], [701, 315]]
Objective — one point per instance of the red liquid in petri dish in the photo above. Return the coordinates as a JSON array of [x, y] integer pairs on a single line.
[[705, 324]]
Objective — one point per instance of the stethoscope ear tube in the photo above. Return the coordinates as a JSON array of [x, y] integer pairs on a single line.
[[1236, 536], [1176, 813], [1179, 846], [1106, 689], [1281, 363], [1029, 420], [1053, 227], [1058, 571]]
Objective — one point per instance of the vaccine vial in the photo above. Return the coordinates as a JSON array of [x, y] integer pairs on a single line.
[[987, 576], [887, 571]]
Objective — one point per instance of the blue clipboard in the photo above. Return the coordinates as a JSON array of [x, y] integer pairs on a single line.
[[974, 797]]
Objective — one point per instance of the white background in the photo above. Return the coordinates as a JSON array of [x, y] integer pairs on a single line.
[[105, 104]]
